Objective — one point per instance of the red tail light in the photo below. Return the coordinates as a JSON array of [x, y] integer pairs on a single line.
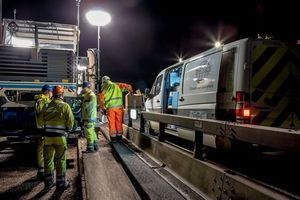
[[246, 113], [242, 108]]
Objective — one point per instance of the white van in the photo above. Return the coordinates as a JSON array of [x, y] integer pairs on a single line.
[[248, 81]]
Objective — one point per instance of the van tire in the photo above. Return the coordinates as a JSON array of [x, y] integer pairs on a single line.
[[148, 129]]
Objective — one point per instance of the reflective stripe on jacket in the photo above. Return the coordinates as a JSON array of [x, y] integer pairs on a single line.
[[57, 117], [89, 107], [59, 129]]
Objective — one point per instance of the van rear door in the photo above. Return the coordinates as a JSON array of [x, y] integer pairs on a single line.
[[275, 85], [226, 103]]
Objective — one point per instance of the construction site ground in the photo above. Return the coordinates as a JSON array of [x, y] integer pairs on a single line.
[[18, 173]]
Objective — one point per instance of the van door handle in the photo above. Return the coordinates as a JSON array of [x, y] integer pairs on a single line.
[[157, 101], [181, 99]]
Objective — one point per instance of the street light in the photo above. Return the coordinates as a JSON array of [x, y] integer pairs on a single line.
[[78, 40], [98, 18]]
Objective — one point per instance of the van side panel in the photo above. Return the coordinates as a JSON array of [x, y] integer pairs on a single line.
[[200, 83], [275, 85]]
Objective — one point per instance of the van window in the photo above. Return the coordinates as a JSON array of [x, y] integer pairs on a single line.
[[199, 76], [175, 76], [226, 71], [155, 90]]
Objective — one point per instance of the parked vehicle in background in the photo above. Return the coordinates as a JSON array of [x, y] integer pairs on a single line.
[[33, 54], [252, 81]]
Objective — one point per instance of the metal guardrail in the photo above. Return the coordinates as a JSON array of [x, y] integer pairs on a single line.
[[213, 181], [277, 138]]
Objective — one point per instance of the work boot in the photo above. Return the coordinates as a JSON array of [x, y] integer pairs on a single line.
[[113, 139], [49, 185], [40, 176], [119, 138], [62, 186], [49, 180], [88, 150], [96, 147]]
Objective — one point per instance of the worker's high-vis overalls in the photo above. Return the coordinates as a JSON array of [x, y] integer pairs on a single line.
[[113, 103], [58, 118], [40, 101], [89, 117]]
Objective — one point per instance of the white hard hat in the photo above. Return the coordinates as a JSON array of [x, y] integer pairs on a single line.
[[105, 79]]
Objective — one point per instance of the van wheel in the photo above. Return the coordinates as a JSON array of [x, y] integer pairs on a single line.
[[148, 129]]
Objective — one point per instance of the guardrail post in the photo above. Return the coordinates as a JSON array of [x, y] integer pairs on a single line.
[[162, 135], [129, 119], [142, 124], [198, 145]]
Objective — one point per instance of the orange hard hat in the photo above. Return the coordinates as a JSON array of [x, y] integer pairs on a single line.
[[58, 89]]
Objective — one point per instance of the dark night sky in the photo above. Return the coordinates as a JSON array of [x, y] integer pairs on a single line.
[[145, 36]]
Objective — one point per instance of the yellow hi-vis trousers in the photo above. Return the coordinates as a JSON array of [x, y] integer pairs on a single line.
[[90, 135], [55, 159], [40, 154]]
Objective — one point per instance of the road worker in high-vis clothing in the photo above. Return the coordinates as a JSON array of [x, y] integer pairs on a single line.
[[111, 101], [40, 101], [89, 117], [57, 119]]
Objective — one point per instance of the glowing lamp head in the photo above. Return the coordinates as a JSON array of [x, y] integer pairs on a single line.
[[98, 18], [217, 44]]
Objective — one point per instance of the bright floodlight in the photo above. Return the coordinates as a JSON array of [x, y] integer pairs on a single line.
[[217, 44], [180, 59], [98, 18]]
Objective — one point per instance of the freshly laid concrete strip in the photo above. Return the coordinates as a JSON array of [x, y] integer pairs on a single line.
[[104, 177], [151, 179]]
